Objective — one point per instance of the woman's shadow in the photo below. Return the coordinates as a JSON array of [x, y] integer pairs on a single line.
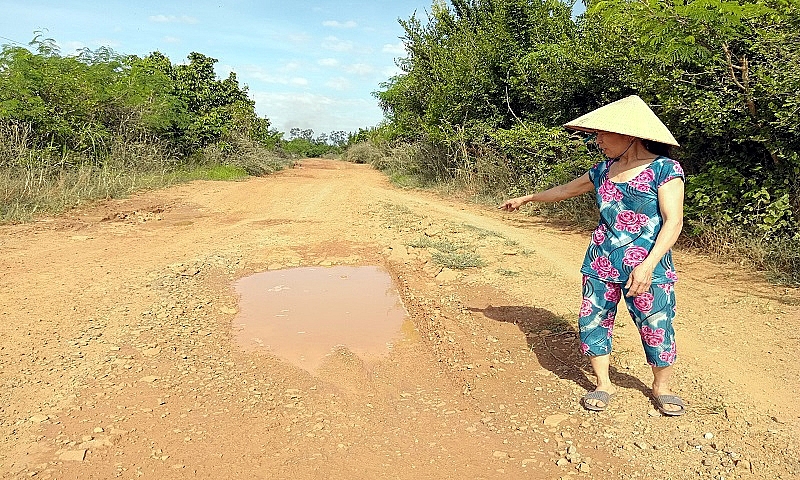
[[555, 342]]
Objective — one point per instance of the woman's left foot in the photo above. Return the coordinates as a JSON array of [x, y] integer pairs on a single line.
[[668, 403]]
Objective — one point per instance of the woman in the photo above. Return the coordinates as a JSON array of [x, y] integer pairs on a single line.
[[639, 191]]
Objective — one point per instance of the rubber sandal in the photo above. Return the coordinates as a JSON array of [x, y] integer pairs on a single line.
[[604, 397], [663, 400]]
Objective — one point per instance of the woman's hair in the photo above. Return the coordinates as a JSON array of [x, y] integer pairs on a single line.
[[657, 148]]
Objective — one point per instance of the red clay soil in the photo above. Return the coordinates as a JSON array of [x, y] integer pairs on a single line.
[[119, 356]]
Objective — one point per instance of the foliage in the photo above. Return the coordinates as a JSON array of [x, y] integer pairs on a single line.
[[495, 79], [79, 103], [363, 152], [303, 144], [99, 124], [727, 75]]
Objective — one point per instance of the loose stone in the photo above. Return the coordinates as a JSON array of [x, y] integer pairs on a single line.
[[73, 456], [553, 420]]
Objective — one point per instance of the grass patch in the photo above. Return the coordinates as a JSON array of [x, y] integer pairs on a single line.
[[442, 245], [457, 260], [403, 180], [212, 172], [544, 274], [482, 233], [450, 254], [508, 273], [396, 209], [398, 216]]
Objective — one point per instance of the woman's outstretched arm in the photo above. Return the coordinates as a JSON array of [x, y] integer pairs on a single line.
[[574, 188]]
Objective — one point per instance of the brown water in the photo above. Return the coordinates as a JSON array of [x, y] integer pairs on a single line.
[[301, 314]]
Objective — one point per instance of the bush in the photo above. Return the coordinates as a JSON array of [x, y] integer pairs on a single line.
[[363, 152]]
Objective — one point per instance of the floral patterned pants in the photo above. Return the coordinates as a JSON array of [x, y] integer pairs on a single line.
[[652, 312]]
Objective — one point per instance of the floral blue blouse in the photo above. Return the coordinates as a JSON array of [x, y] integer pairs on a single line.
[[630, 221]]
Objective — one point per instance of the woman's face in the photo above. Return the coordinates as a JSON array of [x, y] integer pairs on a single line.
[[613, 144]]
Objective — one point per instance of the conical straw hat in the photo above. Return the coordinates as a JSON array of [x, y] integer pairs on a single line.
[[629, 116]]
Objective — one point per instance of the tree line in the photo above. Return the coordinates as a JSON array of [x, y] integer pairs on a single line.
[[486, 84], [98, 124], [75, 108]]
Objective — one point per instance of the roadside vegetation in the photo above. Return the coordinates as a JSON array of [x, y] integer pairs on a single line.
[[303, 144], [486, 85], [98, 124]]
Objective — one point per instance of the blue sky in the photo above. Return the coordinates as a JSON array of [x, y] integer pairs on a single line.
[[308, 64]]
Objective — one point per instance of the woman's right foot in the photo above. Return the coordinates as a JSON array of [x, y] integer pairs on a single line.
[[591, 400]]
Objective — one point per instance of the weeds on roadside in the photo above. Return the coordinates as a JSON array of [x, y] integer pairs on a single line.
[[508, 273], [442, 245], [457, 260], [363, 152], [449, 253], [487, 178], [35, 181], [777, 258]]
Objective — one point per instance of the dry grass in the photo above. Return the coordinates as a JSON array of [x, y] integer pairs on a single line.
[[44, 181], [777, 258], [363, 152], [25, 192]]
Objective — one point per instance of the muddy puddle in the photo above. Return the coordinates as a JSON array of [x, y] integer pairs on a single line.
[[302, 314]]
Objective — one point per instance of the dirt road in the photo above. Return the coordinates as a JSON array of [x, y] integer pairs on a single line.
[[118, 355]]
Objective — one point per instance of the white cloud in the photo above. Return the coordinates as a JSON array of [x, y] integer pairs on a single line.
[[337, 24], [290, 67], [338, 83], [337, 45], [172, 19], [320, 113], [172, 39], [258, 73], [359, 69], [298, 38], [328, 62], [71, 48], [394, 48]]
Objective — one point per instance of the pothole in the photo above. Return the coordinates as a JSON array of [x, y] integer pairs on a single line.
[[302, 314]]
